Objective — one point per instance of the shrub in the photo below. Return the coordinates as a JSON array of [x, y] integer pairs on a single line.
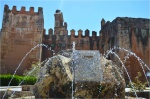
[[5, 79], [29, 80], [137, 84], [34, 70]]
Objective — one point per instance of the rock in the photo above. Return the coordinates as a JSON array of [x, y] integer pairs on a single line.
[[55, 80], [26, 87], [24, 97], [17, 95]]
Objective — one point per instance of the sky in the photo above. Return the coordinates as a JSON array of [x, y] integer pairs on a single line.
[[82, 14]]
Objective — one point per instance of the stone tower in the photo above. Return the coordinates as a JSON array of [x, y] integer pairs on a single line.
[[21, 31], [102, 23], [60, 31]]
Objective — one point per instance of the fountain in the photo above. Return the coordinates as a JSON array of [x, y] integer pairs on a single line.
[[81, 74]]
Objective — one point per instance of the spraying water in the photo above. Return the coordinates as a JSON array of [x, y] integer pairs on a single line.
[[73, 49], [38, 66], [126, 72], [129, 53], [38, 45]]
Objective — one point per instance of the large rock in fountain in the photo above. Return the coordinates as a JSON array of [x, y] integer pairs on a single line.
[[59, 78]]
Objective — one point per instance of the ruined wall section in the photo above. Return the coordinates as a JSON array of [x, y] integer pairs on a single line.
[[108, 36], [48, 40], [64, 41], [129, 33], [58, 39], [82, 42], [21, 31]]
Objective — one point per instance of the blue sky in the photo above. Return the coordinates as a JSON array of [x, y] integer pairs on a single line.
[[83, 14]]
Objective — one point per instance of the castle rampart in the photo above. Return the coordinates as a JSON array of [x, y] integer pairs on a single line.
[[21, 31], [22, 10], [62, 41], [129, 33]]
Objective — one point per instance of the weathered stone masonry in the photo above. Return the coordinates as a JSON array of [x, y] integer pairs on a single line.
[[132, 34], [60, 40], [22, 30]]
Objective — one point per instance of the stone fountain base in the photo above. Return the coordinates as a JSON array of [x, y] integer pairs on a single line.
[[55, 80], [21, 92]]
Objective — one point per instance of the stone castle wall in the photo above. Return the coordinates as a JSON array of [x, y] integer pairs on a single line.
[[132, 34], [21, 31], [63, 42], [58, 39]]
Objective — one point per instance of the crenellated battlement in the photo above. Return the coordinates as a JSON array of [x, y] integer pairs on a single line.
[[14, 10], [6, 8], [23, 30], [50, 31], [44, 32], [87, 32], [80, 33], [22, 10], [72, 32]]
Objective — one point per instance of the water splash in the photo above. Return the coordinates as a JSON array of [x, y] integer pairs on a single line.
[[129, 53], [38, 65], [38, 45], [126, 72], [73, 69]]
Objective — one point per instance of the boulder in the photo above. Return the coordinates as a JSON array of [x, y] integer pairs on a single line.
[[56, 80]]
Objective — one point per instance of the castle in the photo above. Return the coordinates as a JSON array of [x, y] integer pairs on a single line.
[[60, 40], [22, 30]]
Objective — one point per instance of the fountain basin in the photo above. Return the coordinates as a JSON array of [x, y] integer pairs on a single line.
[[147, 89], [56, 79], [11, 88]]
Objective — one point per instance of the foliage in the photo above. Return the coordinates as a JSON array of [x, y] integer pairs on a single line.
[[33, 71], [137, 84], [29, 80], [5, 79]]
